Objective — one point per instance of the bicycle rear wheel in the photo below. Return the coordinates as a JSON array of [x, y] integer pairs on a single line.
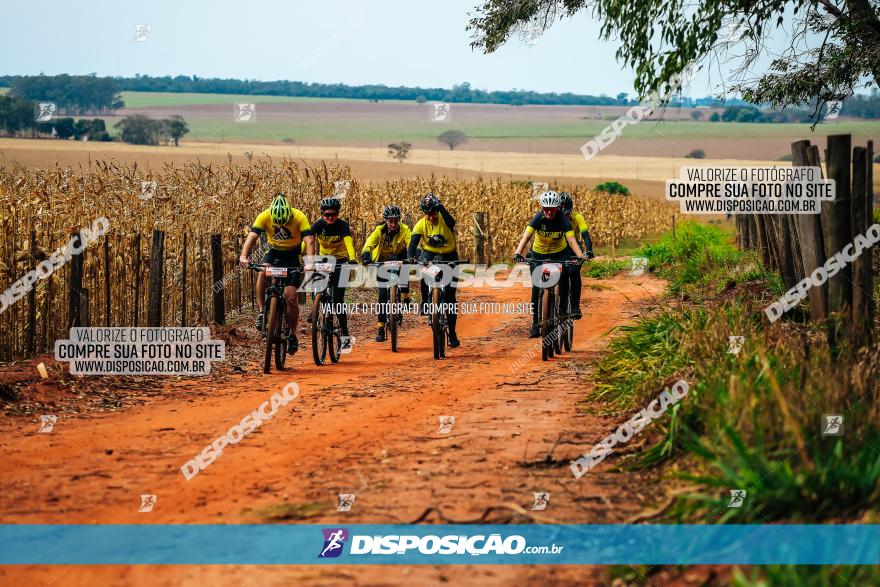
[[331, 333], [557, 325], [319, 342], [437, 330], [546, 322], [280, 341], [271, 329], [568, 335], [392, 317]]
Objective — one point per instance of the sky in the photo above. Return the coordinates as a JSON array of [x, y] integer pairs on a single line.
[[392, 42]]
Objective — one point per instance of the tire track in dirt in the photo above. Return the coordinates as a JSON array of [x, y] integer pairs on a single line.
[[366, 426]]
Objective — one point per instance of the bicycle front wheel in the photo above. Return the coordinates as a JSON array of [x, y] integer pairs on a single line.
[[546, 324], [392, 317], [319, 341], [271, 332], [280, 341], [437, 329]]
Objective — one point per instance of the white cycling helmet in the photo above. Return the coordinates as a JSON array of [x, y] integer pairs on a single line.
[[550, 199]]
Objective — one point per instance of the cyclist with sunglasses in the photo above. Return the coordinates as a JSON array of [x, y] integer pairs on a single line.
[[583, 230], [286, 228], [388, 242], [435, 236], [334, 240], [553, 234]]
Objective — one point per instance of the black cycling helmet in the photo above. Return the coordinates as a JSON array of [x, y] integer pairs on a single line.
[[566, 203], [429, 203], [330, 204], [391, 211]]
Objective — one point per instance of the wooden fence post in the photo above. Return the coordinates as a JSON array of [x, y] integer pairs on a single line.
[[183, 275], [810, 241], [157, 265], [839, 220], [137, 277], [217, 277], [860, 327], [32, 302], [106, 280], [76, 277], [479, 238]]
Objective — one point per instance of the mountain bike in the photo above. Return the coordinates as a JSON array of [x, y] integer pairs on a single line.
[[394, 311], [557, 330], [275, 322], [437, 312], [326, 330]]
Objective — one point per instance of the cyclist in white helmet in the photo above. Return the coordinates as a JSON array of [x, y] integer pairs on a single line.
[[553, 233]]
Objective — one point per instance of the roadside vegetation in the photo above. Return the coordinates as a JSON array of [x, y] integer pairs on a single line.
[[753, 420]]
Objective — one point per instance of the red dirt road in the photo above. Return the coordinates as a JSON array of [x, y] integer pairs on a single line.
[[367, 426]]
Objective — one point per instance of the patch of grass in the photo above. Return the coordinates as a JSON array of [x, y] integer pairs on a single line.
[[602, 269], [289, 511]]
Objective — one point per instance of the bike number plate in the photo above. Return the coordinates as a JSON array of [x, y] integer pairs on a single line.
[[552, 267], [276, 271], [432, 270], [324, 267]]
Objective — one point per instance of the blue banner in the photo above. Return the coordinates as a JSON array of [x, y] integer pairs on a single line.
[[295, 544]]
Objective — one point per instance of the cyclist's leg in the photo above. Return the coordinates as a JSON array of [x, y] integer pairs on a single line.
[[575, 286], [382, 284], [291, 302], [423, 285], [269, 257], [339, 299], [449, 296], [564, 282]]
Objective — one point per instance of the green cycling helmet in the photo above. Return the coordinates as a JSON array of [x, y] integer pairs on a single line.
[[280, 210]]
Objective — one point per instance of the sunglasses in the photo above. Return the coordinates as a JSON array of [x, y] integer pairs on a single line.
[[330, 214]]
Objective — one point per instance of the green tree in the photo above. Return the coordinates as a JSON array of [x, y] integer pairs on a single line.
[[65, 128], [715, 117], [834, 49], [399, 151], [177, 127], [453, 138], [140, 130]]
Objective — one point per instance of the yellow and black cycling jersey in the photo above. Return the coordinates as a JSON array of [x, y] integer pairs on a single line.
[[384, 246], [578, 223], [285, 237], [550, 234], [443, 232], [334, 239]]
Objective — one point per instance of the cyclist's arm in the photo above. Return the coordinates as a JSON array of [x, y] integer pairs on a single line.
[[447, 217], [310, 244], [573, 243], [588, 244], [247, 247], [349, 247], [528, 233], [413, 248]]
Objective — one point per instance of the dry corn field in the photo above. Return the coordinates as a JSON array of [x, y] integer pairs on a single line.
[[195, 201]]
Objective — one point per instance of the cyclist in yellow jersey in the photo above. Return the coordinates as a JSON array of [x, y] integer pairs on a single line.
[[553, 235], [580, 229], [285, 228], [435, 236], [388, 242], [334, 240]]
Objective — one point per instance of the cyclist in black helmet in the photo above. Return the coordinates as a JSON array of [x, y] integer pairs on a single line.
[[387, 242], [334, 240], [436, 235], [582, 235]]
